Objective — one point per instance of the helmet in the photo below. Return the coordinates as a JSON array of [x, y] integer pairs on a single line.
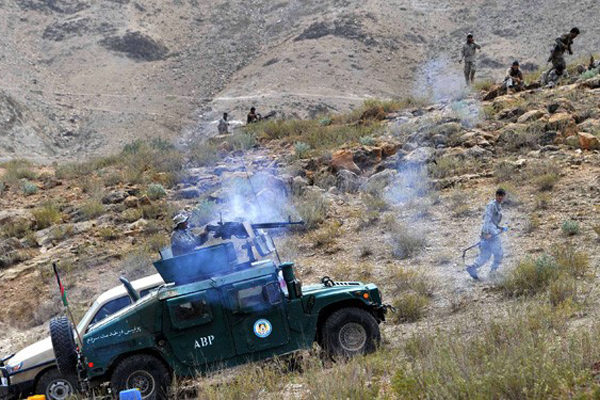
[[469, 35], [515, 64], [179, 219]]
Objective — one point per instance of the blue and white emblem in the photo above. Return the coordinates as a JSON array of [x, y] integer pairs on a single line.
[[262, 328]]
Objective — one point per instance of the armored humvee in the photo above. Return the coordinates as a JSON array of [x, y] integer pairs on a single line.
[[215, 312]]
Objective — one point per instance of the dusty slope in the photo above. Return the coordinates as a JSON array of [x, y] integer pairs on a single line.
[[75, 84]]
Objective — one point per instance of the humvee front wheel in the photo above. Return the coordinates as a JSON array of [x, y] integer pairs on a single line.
[[144, 372], [349, 332]]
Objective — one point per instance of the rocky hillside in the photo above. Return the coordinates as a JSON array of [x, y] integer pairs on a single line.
[[82, 78], [391, 193]]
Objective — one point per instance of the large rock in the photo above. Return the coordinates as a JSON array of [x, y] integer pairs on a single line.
[[530, 116], [367, 156], [587, 141], [421, 155], [131, 202], [377, 182], [115, 197], [590, 126], [563, 123], [344, 159], [347, 181]]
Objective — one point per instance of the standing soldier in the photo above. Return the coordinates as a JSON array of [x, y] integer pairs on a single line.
[[557, 57], [490, 244], [468, 55], [223, 126]]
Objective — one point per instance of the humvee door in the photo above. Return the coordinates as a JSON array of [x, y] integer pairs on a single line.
[[198, 333], [257, 314]]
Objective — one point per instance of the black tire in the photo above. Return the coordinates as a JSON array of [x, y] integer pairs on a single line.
[[349, 332], [55, 386], [65, 349], [144, 372]]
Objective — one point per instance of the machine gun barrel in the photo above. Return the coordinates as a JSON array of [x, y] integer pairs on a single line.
[[275, 225]]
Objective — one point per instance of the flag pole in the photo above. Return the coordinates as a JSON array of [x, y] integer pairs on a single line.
[[63, 296]]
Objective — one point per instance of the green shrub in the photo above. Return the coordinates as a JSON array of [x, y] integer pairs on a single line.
[[18, 169], [203, 153], [46, 215], [528, 356], [242, 141], [312, 208], [153, 211], [410, 307], [131, 215], [573, 262], [61, 232], [563, 289], [28, 188], [589, 74], [155, 191], [570, 227], [301, 150], [91, 209], [530, 277], [108, 233], [546, 182], [113, 179], [367, 140], [18, 228]]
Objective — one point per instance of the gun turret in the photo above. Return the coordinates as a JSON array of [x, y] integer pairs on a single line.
[[241, 230]]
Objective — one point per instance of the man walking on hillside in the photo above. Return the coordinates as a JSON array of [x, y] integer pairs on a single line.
[[223, 126], [557, 57], [468, 56], [490, 244]]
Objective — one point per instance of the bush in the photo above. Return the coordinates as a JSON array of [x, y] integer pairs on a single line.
[[546, 182], [444, 167], [573, 262], [47, 215], [405, 242], [367, 141], [155, 191], [542, 201], [28, 188], [91, 209], [326, 235], [153, 211], [530, 277], [532, 223], [241, 141], [61, 232], [301, 150], [108, 233], [570, 227], [131, 215], [563, 289], [312, 208], [410, 307], [18, 228], [203, 153], [526, 356], [16, 170]]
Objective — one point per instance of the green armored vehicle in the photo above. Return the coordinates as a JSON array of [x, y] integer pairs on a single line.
[[214, 312]]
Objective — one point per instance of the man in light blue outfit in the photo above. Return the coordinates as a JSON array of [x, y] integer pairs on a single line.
[[490, 244]]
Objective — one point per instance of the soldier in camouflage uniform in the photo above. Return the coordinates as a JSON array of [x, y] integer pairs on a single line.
[[468, 56], [490, 244], [557, 57], [183, 241]]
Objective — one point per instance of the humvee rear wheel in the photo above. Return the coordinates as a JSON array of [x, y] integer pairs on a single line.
[[349, 332], [144, 372], [65, 349]]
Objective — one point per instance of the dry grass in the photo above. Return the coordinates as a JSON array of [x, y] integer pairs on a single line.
[[46, 215], [312, 208]]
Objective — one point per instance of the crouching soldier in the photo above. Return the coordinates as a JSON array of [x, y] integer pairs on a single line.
[[183, 241], [514, 82], [490, 244]]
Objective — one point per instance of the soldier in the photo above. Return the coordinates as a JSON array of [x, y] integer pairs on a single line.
[[468, 55], [490, 236], [514, 78], [223, 126], [253, 116], [557, 57], [183, 241]]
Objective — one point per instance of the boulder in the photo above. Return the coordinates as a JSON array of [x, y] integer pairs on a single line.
[[590, 125], [366, 156], [377, 182], [587, 141], [131, 202], [421, 155], [572, 141], [115, 197], [530, 116], [593, 83], [344, 159], [563, 123], [347, 181], [187, 193]]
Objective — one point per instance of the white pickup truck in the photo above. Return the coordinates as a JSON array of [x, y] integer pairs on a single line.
[[33, 370]]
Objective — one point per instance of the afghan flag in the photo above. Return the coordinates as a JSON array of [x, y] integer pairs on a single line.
[[63, 292]]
